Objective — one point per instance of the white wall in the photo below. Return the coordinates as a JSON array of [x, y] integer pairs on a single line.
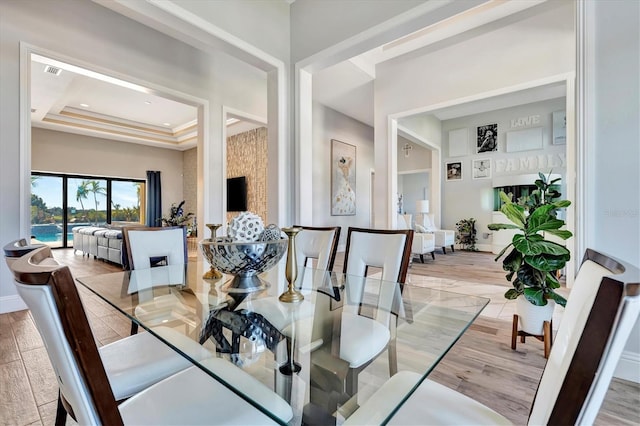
[[613, 135], [95, 35], [413, 185], [419, 157], [61, 152], [329, 124], [510, 52], [427, 126], [474, 197]]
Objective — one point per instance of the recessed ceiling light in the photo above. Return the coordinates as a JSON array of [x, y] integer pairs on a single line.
[[84, 105], [147, 102], [167, 124]]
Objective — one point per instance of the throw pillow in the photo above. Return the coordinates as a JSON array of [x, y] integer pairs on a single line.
[[421, 229]]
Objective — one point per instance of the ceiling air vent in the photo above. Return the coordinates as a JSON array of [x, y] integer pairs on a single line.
[[52, 70]]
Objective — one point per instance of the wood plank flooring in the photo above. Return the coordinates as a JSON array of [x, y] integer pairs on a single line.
[[481, 365]]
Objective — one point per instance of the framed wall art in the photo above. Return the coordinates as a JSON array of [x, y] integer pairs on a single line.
[[458, 142], [559, 123], [454, 171], [481, 168], [343, 178], [487, 138], [524, 140]]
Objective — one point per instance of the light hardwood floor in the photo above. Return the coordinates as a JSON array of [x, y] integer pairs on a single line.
[[481, 365]]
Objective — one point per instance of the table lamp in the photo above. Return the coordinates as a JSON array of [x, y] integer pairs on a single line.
[[422, 208]]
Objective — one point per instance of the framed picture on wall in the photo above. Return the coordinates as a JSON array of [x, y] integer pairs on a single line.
[[481, 168], [454, 171], [487, 138], [559, 124], [458, 142], [343, 178]]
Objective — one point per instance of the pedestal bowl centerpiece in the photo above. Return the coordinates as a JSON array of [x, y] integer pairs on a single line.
[[248, 250]]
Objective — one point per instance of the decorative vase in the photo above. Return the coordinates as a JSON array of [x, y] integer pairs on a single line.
[[213, 273], [291, 295], [532, 317]]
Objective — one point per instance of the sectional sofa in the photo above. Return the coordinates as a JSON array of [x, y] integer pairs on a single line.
[[99, 242]]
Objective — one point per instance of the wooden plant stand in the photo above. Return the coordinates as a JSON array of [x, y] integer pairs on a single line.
[[546, 338]]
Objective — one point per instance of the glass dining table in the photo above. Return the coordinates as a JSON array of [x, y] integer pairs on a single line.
[[323, 356]]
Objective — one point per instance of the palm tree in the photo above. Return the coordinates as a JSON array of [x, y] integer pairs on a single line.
[[116, 207], [34, 180], [82, 193], [95, 188]]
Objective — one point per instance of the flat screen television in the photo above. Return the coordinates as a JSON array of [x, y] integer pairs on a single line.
[[237, 194]]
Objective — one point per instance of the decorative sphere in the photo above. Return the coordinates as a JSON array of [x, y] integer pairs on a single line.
[[246, 227], [271, 232]]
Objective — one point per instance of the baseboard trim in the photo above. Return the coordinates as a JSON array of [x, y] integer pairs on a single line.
[[11, 304], [628, 367]]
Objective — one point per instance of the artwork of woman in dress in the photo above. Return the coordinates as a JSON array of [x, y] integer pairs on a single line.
[[487, 138], [344, 197]]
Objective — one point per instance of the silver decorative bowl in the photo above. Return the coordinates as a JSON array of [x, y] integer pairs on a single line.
[[244, 260]]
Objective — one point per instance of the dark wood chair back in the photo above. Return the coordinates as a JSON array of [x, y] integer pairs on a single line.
[[602, 308]]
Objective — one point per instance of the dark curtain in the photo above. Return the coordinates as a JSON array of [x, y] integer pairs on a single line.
[[154, 199]]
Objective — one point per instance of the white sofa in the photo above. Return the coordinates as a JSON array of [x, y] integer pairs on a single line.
[[423, 243]]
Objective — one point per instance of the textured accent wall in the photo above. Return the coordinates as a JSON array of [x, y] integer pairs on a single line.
[[190, 180], [247, 156]]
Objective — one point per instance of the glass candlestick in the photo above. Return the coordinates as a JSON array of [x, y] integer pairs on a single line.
[[213, 273], [291, 271]]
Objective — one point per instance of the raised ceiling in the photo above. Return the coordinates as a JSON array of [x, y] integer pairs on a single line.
[[71, 99]]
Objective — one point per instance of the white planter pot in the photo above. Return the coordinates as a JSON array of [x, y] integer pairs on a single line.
[[531, 317]]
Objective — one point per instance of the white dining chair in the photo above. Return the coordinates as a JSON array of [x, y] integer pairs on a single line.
[[191, 396], [319, 244], [131, 364], [363, 338], [316, 248], [601, 311], [148, 247]]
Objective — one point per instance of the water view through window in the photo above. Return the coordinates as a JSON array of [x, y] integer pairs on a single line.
[[60, 203]]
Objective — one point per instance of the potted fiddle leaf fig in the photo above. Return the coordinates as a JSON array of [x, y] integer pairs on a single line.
[[532, 259]]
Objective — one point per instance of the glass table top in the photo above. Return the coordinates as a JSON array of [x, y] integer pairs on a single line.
[[322, 357]]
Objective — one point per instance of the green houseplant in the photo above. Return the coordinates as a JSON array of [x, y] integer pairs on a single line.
[[466, 235], [533, 260]]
